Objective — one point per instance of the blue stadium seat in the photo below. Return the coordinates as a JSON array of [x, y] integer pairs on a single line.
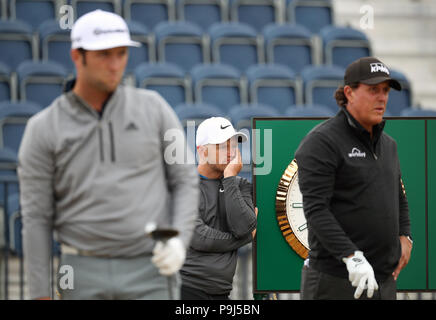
[[218, 84], [241, 116], [3, 9], [291, 45], [8, 166], [275, 85], [399, 100], [150, 12], [256, 13], [202, 12], [418, 112], [55, 44], [7, 84], [313, 110], [15, 227], [166, 78], [196, 112], [343, 45], [14, 224], [13, 119], [81, 7], [40, 82], [191, 115], [34, 12], [17, 43], [313, 14], [8, 190], [145, 53], [182, 43], [320, 84], [236, 44]]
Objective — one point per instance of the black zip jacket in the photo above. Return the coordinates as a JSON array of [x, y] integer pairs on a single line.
[[353, 196]]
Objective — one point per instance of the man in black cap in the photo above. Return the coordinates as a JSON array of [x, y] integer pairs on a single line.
[[353, 195]]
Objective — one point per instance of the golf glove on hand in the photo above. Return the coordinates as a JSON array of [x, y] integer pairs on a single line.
[[361, 274], [169, 257]]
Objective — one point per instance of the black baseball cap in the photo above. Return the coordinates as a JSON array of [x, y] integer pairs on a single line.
[[369, 70]]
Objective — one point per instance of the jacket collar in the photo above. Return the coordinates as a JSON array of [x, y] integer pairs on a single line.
[[112, 100], [361, 131]]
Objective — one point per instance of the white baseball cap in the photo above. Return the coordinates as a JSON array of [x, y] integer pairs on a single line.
[[217, 130], [100, 30]]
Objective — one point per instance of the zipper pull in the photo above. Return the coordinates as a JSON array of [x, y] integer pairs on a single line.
[[111, 136], [100, 140]]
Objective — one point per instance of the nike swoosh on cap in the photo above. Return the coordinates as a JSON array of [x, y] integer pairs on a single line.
[[225, 126]]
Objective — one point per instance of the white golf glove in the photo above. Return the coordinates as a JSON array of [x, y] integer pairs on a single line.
[[169, 257], [361, 274]]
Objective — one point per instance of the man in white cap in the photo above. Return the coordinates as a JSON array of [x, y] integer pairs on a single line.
[[91, 169], [227, 218]]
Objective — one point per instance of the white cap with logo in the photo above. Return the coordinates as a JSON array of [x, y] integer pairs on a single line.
[[217, 130], [100, 30]]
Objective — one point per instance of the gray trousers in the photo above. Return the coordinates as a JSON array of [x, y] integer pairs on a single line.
[[94, 278], [316, 285]]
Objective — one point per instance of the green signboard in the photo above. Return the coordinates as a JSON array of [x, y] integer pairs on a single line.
[[277, 267], [431, 202]]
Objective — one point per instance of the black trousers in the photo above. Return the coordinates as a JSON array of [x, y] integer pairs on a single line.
[[316, 285], [188, 293]]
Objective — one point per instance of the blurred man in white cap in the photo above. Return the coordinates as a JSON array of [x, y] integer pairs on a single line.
[[91, 169], [227, 218]]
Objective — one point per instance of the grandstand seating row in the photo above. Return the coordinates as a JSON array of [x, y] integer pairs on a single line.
[[236, 44], [220, 84], [314, 14], [186, 44], [14, 116]]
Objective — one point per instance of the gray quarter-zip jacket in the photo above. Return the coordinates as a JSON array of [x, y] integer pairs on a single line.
[[96, 181], [226, 220]]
